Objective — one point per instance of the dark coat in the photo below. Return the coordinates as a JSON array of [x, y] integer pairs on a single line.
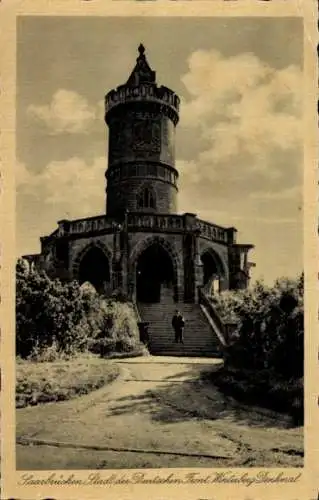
[[178, 322]]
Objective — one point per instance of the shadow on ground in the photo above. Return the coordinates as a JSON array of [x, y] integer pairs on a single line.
[[186, 396]]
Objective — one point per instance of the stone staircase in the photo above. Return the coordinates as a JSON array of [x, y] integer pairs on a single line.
[[199, 336]]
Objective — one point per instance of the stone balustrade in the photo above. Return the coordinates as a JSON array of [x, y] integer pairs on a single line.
[[146, 92], [90, 225], [212, 232], [155, 222], [142, 221], [50, 238]]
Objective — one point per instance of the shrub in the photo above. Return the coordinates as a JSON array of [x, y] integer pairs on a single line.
[[118, 330], [264, 360], [57, 320], [47, 314], [270, 329]]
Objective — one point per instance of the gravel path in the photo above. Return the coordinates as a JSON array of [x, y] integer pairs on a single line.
[[157, 414]]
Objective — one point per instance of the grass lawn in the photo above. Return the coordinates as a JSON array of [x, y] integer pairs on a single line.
[[61, 380]]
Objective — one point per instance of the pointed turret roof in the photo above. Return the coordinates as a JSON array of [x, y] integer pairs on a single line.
[[142, 73]]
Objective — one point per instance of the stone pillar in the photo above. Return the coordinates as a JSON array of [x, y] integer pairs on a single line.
[[117, 264], [131, 289], [131, 278], [179, 292], [231, 235], [239, 266], [188, 258], [125, 255], [199, 278], [233, 266]]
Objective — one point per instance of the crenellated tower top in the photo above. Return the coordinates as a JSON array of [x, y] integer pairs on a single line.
[[141, 86], [142, 118]]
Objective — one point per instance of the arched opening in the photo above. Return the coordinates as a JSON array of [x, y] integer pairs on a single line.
[[94, 268], [146, 199], [212, 273], [155, 276]]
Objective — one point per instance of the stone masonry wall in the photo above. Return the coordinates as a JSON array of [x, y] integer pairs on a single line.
[[173, 243], [221, 253], [78, 246], [124, 195]]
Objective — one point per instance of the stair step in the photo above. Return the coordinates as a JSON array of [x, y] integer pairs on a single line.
[[199, 338]]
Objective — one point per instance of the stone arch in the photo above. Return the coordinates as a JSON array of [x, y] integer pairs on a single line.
[[215, 271], [102, 252], [146, 198], [141, 247]]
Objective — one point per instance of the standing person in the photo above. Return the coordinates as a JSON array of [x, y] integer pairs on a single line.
[[178, 324]]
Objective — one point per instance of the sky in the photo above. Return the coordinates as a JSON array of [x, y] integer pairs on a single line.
[[239, 148]]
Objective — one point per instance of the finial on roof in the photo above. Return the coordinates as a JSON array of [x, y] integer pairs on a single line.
[[142, 73], [141, 49]]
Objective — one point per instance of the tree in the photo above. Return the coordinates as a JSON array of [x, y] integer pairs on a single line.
[[270, 326], [47, 312], [64, 318]]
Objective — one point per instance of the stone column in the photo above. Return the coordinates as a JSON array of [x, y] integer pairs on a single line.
[[198, 265], [116, 264], [125, 254], [179, 292], [189, 247], [231, 235], [189, 255], [130, 275]]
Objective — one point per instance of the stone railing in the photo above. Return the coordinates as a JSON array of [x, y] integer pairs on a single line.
[[136, 312], [92, 224], [141, 221], [88, 225], [226, 329], [155, 222], [50, 237], [205, 301], [212, 232], [146, 92]]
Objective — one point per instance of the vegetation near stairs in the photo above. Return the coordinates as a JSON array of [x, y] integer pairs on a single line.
[[57, 319], [265, 354], [57, 324]]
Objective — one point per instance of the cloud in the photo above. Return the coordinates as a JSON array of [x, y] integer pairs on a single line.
[[188, 169], [244, 92], [242, 109], [70, 189], [246, 117], [68, 111], [292, 193]]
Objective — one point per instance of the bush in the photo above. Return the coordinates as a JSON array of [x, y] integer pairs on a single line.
[[269, 333], [47, 314], [264, 359], [117, 329], [56, 320]]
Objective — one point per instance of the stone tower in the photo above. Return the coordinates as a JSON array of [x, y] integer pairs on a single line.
[[142, 245], [141, 117]]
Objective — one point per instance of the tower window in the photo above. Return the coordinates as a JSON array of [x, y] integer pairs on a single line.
[[142, 170], [134, 170], [146, 199], [152, 171]]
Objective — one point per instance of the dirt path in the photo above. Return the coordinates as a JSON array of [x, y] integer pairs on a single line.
[[157, 414]]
